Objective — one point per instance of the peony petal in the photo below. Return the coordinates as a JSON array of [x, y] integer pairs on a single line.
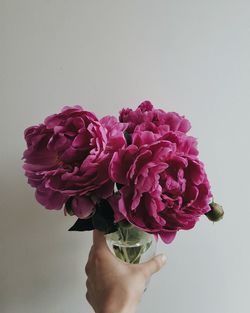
[[167, 236], [120, 164], [82, 206], [114, 202], [51, 200]]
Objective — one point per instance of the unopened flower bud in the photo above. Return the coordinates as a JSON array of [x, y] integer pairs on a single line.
[[216, 213], [68, 207]]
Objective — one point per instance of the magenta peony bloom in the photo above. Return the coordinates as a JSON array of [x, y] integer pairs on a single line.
[[74, 160], [164, 184], [145, 117], [68, 156]]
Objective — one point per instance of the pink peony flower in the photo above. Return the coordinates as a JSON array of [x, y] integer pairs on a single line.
[[164, 184], [145, 117], [74, 159], [68, 156]]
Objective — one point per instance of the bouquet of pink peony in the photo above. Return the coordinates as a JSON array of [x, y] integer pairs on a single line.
[[137, 178]]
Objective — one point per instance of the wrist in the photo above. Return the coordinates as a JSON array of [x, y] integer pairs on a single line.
[[127, 308], [122, 302]]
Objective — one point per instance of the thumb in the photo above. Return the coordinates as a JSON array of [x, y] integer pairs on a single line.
[[99, 238], [154, 265]]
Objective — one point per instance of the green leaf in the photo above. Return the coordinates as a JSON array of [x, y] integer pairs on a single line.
[[128, 138], [119, 186], [68, 206], [103, 219], [82, 225]]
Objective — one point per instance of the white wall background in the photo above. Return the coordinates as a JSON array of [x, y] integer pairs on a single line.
[[186, 56]]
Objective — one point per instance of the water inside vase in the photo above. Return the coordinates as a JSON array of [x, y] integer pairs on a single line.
[[132, 245]]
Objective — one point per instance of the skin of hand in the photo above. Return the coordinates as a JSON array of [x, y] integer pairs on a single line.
[[114, 286]]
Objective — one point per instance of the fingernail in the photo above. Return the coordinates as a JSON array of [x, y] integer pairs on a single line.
[[163, 258]]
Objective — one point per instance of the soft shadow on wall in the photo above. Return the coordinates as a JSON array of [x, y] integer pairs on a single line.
[[40, 259]]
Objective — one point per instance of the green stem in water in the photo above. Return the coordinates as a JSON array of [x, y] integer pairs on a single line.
[[130, 254], [137, 258], [124, 248]]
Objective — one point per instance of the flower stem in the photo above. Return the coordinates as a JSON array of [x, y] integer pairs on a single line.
[[130, 247], [124, 238]]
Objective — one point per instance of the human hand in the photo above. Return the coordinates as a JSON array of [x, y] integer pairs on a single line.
[[114, 286]]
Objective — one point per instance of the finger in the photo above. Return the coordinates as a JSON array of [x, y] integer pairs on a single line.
[[88, 297], [91, 253], [87, 269], [88, 285], [154, 265], [99, 239]]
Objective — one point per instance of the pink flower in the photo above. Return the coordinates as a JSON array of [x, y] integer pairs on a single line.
[[145, 117], [164, 184], [68, 156]]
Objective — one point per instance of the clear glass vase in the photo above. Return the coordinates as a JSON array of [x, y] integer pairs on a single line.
[[132, 245]]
